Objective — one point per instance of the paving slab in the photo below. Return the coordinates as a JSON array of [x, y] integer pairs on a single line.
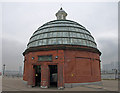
[[17, 84]]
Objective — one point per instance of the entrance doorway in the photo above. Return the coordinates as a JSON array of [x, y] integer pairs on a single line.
[[37, 75], [53, 75]]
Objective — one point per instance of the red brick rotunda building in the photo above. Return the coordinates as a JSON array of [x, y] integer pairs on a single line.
[[61, 53]]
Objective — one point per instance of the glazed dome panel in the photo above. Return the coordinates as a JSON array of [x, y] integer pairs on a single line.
[[61, 31]]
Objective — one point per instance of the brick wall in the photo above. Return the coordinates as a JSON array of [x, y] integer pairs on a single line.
[[74, 66]]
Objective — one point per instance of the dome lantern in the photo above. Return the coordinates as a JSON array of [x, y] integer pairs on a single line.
[[61, 14]]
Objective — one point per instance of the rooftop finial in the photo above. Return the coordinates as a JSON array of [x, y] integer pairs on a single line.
[[61, 14], [61, 5]]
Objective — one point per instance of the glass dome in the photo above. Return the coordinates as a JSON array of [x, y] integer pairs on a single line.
[[61, 31]]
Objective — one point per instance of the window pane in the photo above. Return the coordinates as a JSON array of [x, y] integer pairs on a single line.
[[35, 43], [54, 34], [78, 35], [51, 29], [63, 28], [74, 34], [45, 35], [82, 31], [76, 29], [65, 34], [75, 41], [87, 37], [65, 40], [71, 29], [32, 38], [50, 34], [49, 41], [42, 31], [84, 42], [53, 41], [59, 40], [59, 34], [46, 30], [88, 44], [37, 36], [71, 34], [40, 42], [79, 42], [81, 35], [72, 41], [41, 36], [44, 42]]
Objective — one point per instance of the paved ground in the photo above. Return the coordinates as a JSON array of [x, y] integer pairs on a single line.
[[17, 84]]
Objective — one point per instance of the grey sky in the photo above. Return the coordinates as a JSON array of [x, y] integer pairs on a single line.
[[20, 20]]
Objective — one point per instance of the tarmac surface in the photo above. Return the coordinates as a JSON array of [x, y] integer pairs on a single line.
[[17, 84]]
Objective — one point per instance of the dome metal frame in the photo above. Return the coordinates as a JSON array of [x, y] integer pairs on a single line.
[[70, 31]]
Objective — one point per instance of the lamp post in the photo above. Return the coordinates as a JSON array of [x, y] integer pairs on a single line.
[[115, 72], [4, 69]]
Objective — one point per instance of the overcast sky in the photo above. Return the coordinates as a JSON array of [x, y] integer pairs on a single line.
[[20, 20]]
